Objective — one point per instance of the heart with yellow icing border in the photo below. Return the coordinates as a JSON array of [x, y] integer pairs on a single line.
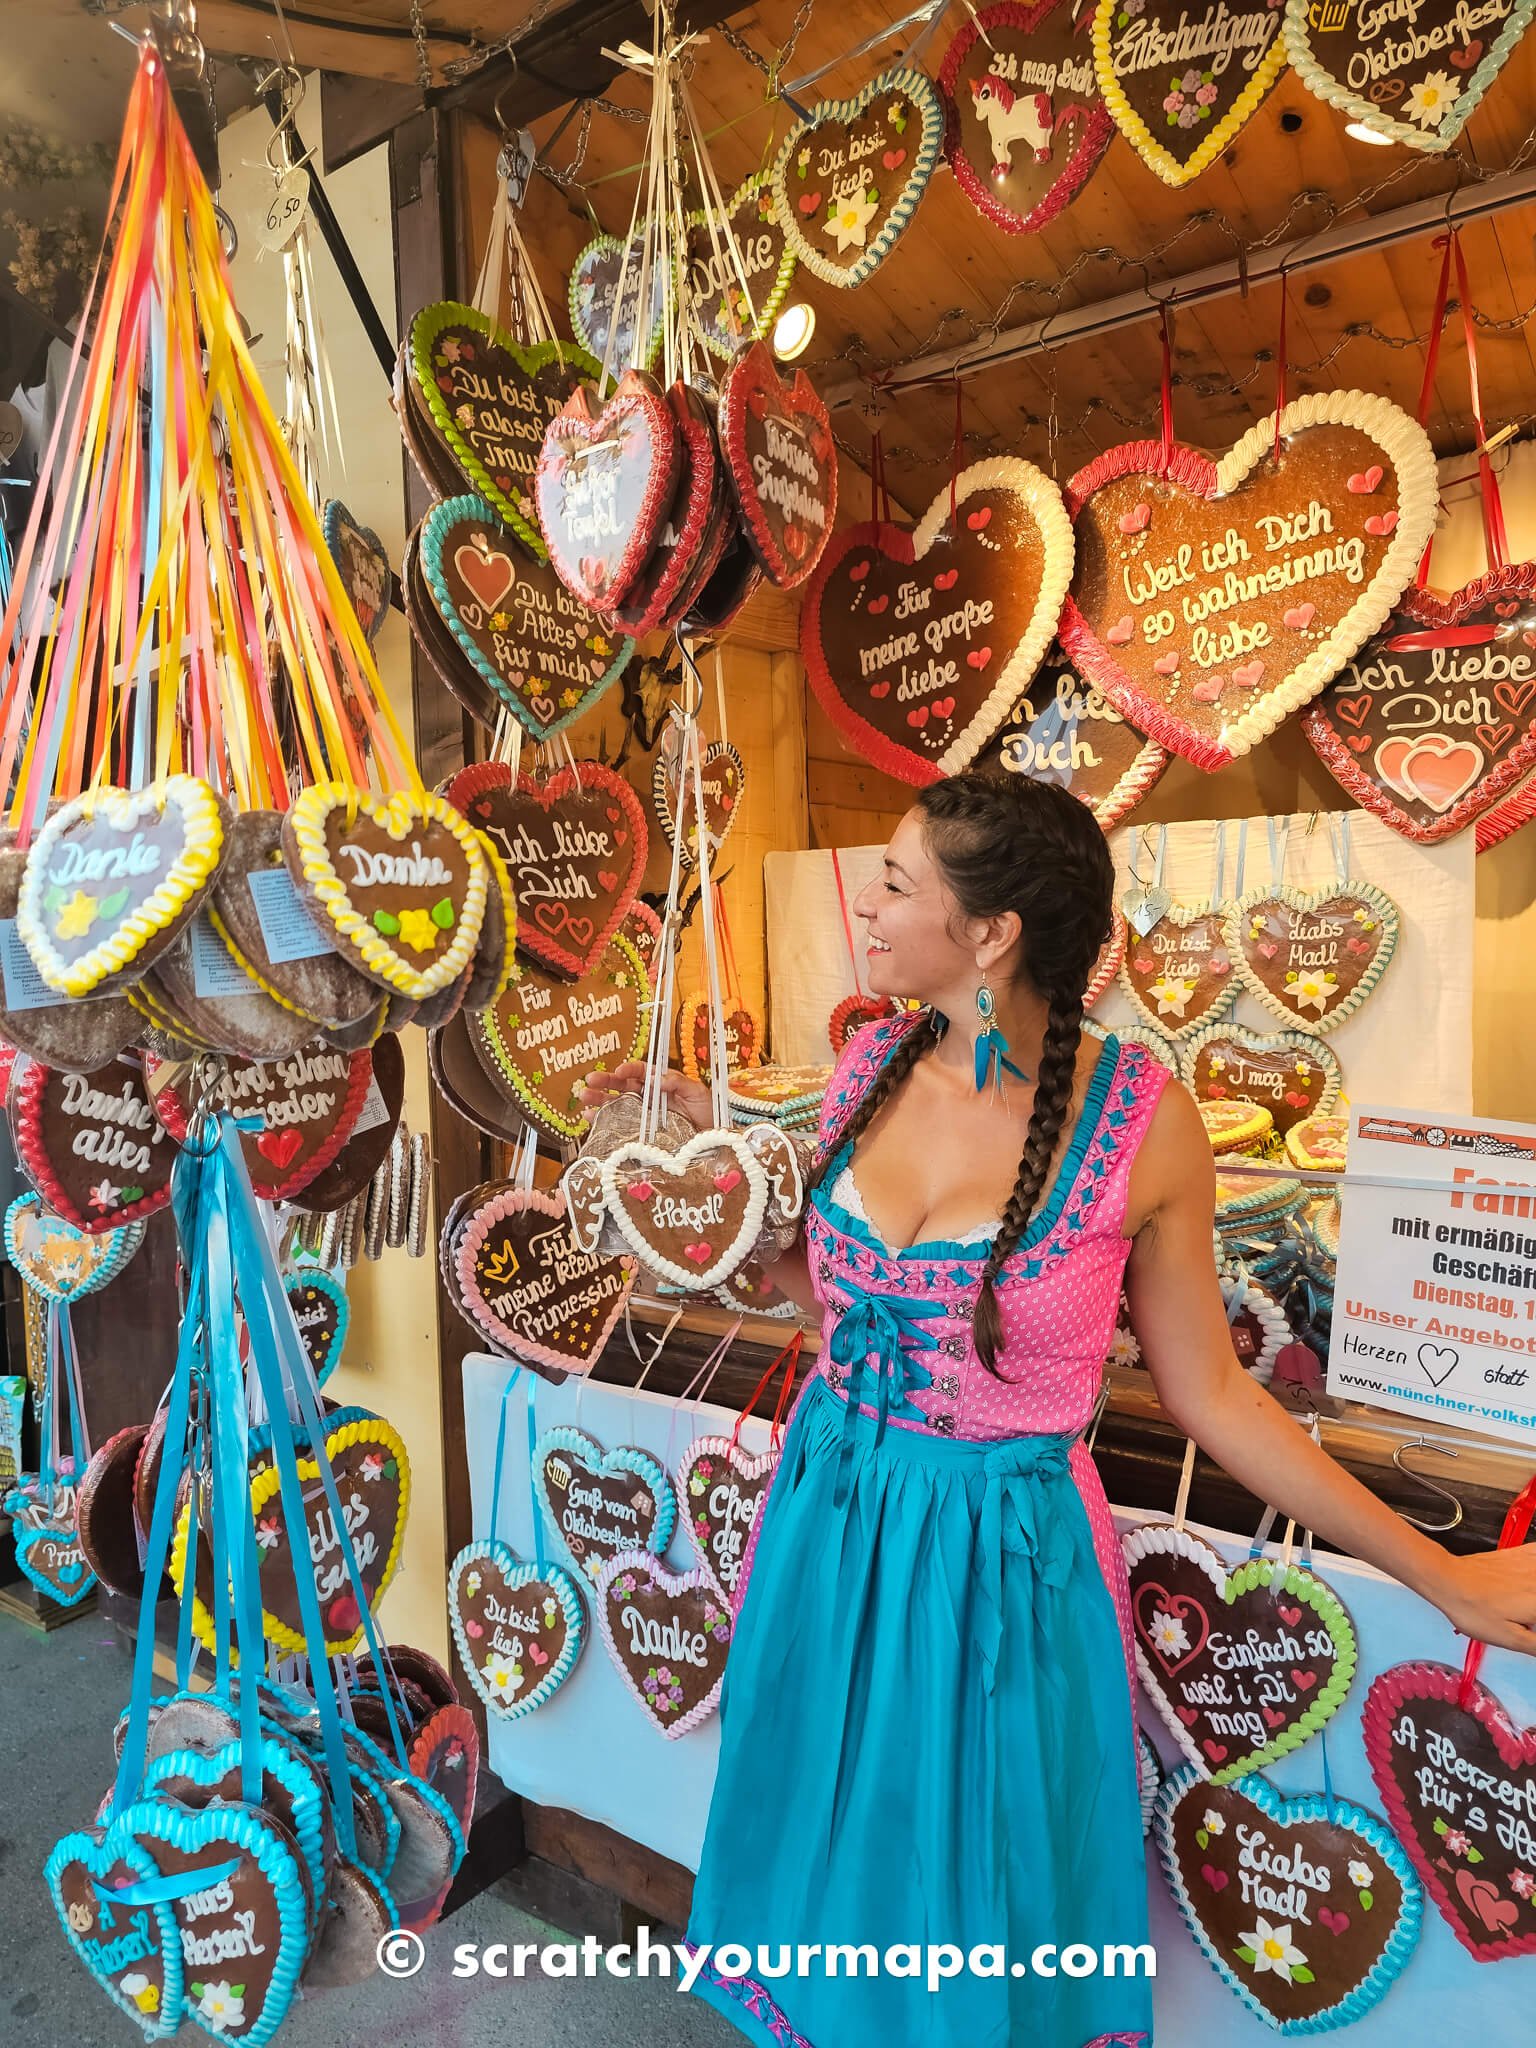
[[1179, 117], [402, 880]]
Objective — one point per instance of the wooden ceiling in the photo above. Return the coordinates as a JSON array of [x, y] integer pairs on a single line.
[[953, 270]]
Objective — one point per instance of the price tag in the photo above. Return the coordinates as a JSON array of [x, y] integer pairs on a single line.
[[287, 923], [215, 970], [375, 1108], [290, 203], [25, 988]]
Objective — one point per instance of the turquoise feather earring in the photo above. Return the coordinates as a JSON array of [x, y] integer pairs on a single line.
[[992, 1059]]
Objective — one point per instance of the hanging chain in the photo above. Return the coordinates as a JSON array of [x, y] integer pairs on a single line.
[[423, 57]]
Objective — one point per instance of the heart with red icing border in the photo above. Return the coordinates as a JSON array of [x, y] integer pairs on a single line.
[[606, 475], [744, 1035], [91, 1144], [776, 442], [309, 1104]]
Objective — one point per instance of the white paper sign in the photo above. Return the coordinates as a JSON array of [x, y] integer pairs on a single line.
[[1434, 1307]]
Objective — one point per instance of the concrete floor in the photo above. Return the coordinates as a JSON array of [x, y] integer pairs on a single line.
[[59, 1697]]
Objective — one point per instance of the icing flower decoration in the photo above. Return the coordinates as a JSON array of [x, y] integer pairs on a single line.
[[1167, 1633], [896, 114], [220, 2007], [267, 1532], [803, 160], [1456, 1842], [372, 1466], [77, 915], [1271, 1948], [452, 350], [1215, 1823], [1522, 1883], [662, 1689], [1360, 1874], [1173, 993], [137, 1987], [1430, 99], [465, 415], [850, 217], [104, 1195], [472, 1584], [1311, 991], [502, 1678], [500, 622], [418, 931]]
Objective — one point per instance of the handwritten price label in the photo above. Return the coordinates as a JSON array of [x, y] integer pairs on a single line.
[[285, 216]]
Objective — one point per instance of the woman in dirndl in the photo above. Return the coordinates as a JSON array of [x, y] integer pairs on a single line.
[[927, 1726]]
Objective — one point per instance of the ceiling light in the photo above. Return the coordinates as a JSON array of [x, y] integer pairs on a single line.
[[792, 331], [1361, 133]]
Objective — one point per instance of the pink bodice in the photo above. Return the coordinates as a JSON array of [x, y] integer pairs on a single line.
[[1057, 1293]]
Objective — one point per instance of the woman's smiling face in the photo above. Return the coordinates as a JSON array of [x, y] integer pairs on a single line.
[[916, 943]]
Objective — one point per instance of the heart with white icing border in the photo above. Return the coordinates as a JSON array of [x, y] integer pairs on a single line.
[[1349, 511], [690, 1215], [744, 1035], [400, 880], [918, 643], [1331, 1947], [112, 877], [1312, 955], [1292, 1074], [668, 1634], [518, 1630], [62, 1263], [1180, 974]]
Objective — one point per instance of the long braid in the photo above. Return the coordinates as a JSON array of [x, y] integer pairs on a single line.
[[895, 1070], [1053, 1098]]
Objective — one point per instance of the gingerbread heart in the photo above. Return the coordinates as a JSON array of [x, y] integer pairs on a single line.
[[112, 877], [599, 1502], [750, 1291], [1243, 1665], [1508, 815], [1107, 966], [1312, 955], [720, 1487], [322, 1312], [1211, 600], [1180, 111], [1290, 1073], [576, 841], [61, 1263], [527, 1286], [722, 777], [1063, 730], [49, 1551], [1459, 1785], [445, 1754], [918, 643], [519, 1630], [133, 1951], [292, 1791], [492, 401], [690, 1215], [848, 177], [720, 310], [1434, 721], [243, 1918], [542, 1037], [547, 658], [668, 1634], [743, 1025], [852, 1014], [91, 1144], [362, 563], [776, 441], [1305, 1908], [1400, 85], [400, 880], [309, 1105], [693, 530], [606, 475], [1027, 125], [609, 326], [373, 1482], [1180, 974]]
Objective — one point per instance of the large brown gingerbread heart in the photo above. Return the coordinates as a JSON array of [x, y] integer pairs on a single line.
[[690, 1215], [1312, 955], [1434, 721], [776, 440], [606, 477], [1211, 600], [1180, 974], [1290, 1073], [91, 1144], [308, 1105], [918, 643], [526, 1285], [1061, 729]]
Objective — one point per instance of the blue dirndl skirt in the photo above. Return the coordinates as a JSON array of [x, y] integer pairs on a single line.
[[926, 1738]]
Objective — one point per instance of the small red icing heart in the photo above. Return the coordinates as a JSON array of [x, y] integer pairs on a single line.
[[1249, 675], [1299, 616], [699, 1253], [946, 579], [1119, 634], [1381, 523], [858, 572], [918, 715], [879, 689], [979, 657], [1216, 1879], [1167, 664], [1137, 520], [943, 707], [640, 1191], [1209, 689], [895, 158], [808, 203], [281, 1147], [878, 604], [981, 517], [1364, 481]]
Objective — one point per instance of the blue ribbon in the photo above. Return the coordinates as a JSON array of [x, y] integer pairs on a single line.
[[536, 1514], [158, 1891], [501, 1448], [1019, 1519], [878, 1326]]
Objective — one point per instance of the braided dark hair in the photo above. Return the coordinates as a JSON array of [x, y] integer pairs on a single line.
[[1004, 842]]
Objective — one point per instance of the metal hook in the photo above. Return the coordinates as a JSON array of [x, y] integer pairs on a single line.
[[1429, 1485], [229, 235], [496, 113]]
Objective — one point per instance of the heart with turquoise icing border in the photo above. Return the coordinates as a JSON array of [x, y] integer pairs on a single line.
[[62, 1263], [540, 705], [1201, 1865], [1432, 137], [430, 1843], [48, 1550], [593, 291], [490, 1569], [509, 489], [291, 1788], [917, 159], [176, 1838], [311, 1280], [74, 1872], [626, 1474], [754, 197]]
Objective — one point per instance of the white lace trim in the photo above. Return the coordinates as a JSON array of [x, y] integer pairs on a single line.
[[845, 1192]]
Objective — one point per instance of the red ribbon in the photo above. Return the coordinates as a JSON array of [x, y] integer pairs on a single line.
[[1493, 508], [1280, 367], [1162, 319], [1427, 388], [842, 901], [1443, 636], [789, 1357], [1516, 1526], [956, 457], [879, 496]]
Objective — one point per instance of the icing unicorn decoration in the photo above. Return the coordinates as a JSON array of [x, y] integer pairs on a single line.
[[1012, 117]]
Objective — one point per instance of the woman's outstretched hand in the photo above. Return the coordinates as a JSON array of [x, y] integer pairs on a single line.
[[690, 1098], [1490, 1596]]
